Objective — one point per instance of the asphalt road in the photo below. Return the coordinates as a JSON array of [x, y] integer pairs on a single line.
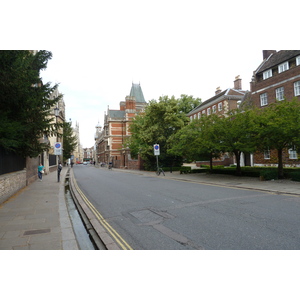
[[159, 213]]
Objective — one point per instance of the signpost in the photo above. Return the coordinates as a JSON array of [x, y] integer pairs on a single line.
[[57, 149], [156, 153]]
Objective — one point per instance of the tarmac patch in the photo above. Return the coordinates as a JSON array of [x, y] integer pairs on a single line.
[[38, 231]]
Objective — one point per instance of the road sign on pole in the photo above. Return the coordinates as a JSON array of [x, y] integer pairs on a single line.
[[57, 149], [156, 149]]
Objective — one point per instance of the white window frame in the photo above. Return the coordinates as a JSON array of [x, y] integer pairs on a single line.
[[267, 154], [191, 118], [292, 154], [297, 88], [283, 67], [220, 106], [214, 108], [264, 99], [298, 60], [208, 111], [280, 93], [267, 74], [199, 115], [203, 112]]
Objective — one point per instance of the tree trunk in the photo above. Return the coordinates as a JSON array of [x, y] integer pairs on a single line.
[[280, 164], [211, 162], [238, 163]]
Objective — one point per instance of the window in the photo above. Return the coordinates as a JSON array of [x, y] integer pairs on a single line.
[[214, 108], [297, 60], [263, 99], [283, 67], [292, 154], [195, 116], [203, 112], [220, 106], [297, 88], [280, 93], [208, 111], [191, 118], [267, 154], [199, 115], [267, 74]]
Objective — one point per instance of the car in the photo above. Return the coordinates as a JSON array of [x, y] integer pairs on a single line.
[[85, 163]]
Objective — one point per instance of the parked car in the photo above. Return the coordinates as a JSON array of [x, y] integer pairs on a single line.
[[85, 163]]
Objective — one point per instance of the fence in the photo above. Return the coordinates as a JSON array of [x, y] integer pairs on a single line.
[[10, 162]]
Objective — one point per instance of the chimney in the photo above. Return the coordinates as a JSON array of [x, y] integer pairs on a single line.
[[218, 90], [237, 83], [267, 53]]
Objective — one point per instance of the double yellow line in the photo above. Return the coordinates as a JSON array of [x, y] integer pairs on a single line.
[[113, 233]]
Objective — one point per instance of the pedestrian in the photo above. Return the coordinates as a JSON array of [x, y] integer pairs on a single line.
[[40, 172], [59, 167]]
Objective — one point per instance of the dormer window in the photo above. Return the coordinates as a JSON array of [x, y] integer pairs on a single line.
[[267, 74], [283, 67]]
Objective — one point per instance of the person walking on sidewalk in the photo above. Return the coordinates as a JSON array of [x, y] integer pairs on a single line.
[[40, 172], [59, 167]]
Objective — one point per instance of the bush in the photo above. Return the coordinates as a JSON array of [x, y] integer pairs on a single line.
[[295, 176], [269, 174], [185, 170]]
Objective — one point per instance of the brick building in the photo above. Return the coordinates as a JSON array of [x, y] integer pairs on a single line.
[[110, 140], [276, 78], [221, 104]]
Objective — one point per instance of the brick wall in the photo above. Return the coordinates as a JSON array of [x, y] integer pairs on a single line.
[[11, 183]]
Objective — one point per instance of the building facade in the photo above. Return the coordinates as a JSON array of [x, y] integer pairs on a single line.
[[110, 140], [276, 78]]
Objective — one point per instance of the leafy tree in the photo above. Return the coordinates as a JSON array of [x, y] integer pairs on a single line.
[[187, 103], [69, 140], [238, 133], [25, 102], [279, 128], [199, 140], [156, 125]]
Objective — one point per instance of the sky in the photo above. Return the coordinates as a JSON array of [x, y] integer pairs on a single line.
[[174, 47]]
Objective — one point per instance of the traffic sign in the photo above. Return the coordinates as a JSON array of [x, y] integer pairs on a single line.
[[57, 149], [156, 149]]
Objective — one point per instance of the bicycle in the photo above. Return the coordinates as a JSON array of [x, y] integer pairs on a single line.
[[160, 170]]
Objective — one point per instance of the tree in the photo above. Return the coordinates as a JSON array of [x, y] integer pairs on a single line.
[[69, 140], [199, 140], [25, 102], [238, 133], [156, 125], [187, 103], [279, 128]]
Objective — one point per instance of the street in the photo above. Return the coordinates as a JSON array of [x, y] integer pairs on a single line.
[[158, 213]]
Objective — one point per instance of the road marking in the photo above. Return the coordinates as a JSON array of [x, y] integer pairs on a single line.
[[119, 240]]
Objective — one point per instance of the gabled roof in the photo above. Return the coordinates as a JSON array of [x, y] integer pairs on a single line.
[[277, 58], [136, 91], [226, 94]]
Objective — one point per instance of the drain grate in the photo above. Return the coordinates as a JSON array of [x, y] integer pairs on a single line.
[[38, 231]]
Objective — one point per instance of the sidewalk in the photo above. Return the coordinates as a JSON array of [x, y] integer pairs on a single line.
[[36, 218]]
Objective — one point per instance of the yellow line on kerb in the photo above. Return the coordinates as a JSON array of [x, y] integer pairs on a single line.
[[119, 240]]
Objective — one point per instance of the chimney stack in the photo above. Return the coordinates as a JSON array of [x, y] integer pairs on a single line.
[[237, 83], [218, 90], [267, 53]]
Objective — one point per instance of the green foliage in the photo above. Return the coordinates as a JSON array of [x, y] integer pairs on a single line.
[[269, 174], [69, 140], [295, 176], [279, 128], [160, 121], [24, 102]]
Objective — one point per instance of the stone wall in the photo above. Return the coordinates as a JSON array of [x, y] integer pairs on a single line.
[[11, 183]]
